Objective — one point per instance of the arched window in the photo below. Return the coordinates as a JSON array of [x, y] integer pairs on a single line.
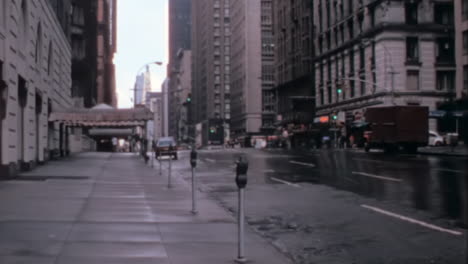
[[50, 58], [38, 54], [24, 22], [3, 13]]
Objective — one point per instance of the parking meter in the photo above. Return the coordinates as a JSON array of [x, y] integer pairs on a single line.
[[193, 158], [241, 172]]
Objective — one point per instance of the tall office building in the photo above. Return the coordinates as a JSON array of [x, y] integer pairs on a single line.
[[179, 40], [211, 65], [294, 51], [461, 46], [384, 53], [142, 87], [106, 48], [84, 51], [461, 49], [252, 72]]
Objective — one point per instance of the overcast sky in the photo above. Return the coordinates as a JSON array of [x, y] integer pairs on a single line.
[[142, 37]]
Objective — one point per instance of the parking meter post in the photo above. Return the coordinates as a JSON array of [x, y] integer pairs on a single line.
[[169, 183], [193, 164], [160, 167], [241, 182], [169, 176]]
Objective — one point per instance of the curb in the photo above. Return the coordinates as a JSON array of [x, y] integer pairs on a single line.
[[443, 154]]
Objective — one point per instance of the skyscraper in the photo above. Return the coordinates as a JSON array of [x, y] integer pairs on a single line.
[[211, 65], [179, 40], [252, 62]]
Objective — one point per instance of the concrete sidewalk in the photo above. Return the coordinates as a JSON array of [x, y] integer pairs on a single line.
[[112, 208]]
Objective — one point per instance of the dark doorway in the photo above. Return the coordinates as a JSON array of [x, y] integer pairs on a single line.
[[3, 108], [38, 124], [22, 101]]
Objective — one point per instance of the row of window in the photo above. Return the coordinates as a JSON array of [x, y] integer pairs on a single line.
[[443, 15], [445, 81]]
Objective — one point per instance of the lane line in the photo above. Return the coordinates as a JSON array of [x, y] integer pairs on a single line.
[[375, 161], [376, 176], [285, 182], [269, 171], [411, 220], [211, 160], [302, 163], [449, 170]]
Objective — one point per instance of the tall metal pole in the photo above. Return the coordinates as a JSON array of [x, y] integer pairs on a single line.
[[241, 250]]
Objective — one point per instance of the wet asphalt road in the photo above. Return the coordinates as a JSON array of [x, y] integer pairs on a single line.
[[349, 207]]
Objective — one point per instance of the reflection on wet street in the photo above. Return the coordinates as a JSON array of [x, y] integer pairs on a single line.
[[434, 184]]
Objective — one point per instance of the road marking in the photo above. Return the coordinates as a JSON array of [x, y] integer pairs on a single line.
[[376, 176], [413, 221], [211, 160], [285, 182], [269, 171], [375, 161], [449, 170], [302, 163]]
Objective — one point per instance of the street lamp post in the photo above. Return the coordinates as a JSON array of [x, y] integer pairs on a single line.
[[392, 71], [159, 63]]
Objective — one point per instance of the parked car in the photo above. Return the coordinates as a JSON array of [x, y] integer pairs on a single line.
[[435, 139], [166, 146]]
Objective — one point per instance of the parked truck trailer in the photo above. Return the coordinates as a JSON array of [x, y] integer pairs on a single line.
[[392, 128]]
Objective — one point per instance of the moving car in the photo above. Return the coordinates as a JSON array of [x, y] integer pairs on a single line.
[[166, 146], [435, 139]]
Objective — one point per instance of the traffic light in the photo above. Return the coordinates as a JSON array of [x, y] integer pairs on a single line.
[[212, 130], [334, 117], [189, 98], [339, 88]]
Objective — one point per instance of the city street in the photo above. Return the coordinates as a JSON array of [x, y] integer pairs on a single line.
[[346, 206]]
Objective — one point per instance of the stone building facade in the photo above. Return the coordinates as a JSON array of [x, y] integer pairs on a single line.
[[252, 67], [461, 46], [35, 79], [372, 52]]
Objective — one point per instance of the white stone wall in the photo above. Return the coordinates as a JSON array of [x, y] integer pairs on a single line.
[[48, 74]]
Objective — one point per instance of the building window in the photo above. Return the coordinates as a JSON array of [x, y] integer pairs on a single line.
[[445, 81], [352, 87], [465, 41], [351, 62], [443, 14], [412, 49], [38, 52], [464, 10], [465, 78], [24, 22], [412, 80], [351, 29], [322, 96], [411, 13], [445, 51]]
